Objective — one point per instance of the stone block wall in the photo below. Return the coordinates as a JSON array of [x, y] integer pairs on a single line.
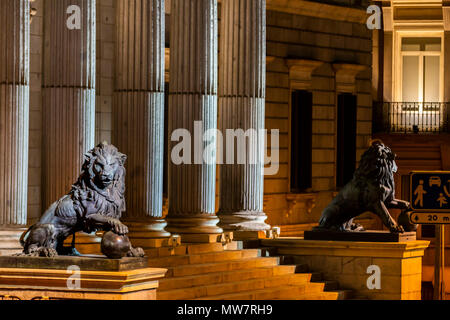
[[292, 36]]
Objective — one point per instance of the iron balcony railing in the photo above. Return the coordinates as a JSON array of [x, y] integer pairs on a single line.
[[412, 117]]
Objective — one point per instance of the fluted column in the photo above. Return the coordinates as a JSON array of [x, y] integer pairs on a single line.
[[242, 81], [14, 109], [193, 97], [68, 92], [14, 104], [139, 111]]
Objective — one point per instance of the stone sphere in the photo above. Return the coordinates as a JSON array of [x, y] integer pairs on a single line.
[[115, 246]]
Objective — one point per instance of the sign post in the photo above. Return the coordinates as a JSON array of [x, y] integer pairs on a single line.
[[430, 202], [439, 249]]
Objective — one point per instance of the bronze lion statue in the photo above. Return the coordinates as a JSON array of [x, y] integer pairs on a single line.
[[371, 189], [95, 202]]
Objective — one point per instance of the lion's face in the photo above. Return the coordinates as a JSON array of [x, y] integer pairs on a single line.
[[105, 165], [105, 168]]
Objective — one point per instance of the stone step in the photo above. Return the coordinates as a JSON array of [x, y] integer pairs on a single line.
[[294, 280], [9, 252], [8, 243], [330, 285], [223, 277], [9, 237], [292, 292], [210, 257], [185, 249], [248, 263], [330, 295], [195, 248], [12, 232]]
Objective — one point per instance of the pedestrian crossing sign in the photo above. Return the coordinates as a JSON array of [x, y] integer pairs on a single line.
[[430, 191]]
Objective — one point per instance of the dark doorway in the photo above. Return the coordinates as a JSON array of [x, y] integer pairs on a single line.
[[301, 141], [346, 138]]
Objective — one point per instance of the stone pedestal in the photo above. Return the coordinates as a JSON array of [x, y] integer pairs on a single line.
[[92, 278], [355, 264], [360, 236]]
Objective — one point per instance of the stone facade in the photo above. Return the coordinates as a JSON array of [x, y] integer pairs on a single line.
[[299, 32]]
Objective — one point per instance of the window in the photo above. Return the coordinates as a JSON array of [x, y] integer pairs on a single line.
[[301, 141], [346, 138], [421, 59]]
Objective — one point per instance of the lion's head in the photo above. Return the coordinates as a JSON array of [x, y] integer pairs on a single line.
[[378, 165], [105, 165], [103, 172]]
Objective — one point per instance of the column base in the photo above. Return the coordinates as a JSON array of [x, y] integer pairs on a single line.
[[86, 243], [224, 238], [250, 235], [244, 221], [201, 224], [151, 233], [9, 240]]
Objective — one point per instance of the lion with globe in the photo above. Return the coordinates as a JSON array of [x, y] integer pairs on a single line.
[[95, 202]]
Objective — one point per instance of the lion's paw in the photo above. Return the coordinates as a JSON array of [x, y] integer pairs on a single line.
[[136, 252], [47, 252], [397, 229]]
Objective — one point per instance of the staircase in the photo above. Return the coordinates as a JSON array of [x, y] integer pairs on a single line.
[[215, 272], [418, 152], [9, 241]]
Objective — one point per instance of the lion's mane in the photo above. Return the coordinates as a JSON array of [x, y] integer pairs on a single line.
[[376, 166], [109, 201]]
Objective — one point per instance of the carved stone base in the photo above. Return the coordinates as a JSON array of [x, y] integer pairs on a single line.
[[56, 284], [85, 263], [193, 224], [351, 264], [364, 236], [152, 228], [250, 235], [225, 238], [244, 221]]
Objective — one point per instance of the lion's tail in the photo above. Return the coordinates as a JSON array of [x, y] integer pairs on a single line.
[[22, 237]]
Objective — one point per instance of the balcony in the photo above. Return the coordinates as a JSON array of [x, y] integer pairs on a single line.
[[411, 117]]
